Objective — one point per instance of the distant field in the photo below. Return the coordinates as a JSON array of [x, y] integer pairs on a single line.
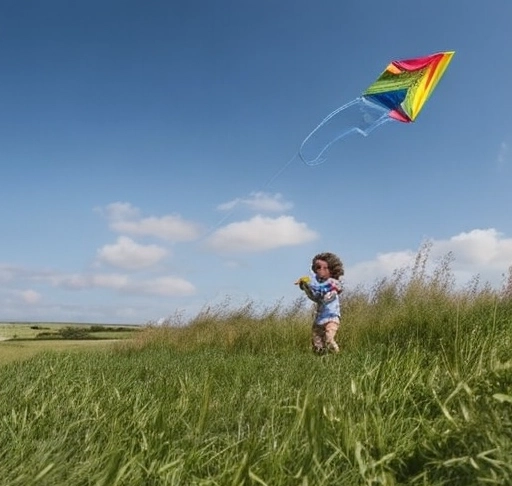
[[31, 330], [26, 330], [23, 340]]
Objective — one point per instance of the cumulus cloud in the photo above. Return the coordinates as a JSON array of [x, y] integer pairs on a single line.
[[260, 202], [478, 248], [260, 234], [129, 255], [480, 252], [125, 218]]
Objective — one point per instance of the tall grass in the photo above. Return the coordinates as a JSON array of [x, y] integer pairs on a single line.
[[421, 394]]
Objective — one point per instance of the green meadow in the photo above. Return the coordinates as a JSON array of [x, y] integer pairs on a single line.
[[421, 394]]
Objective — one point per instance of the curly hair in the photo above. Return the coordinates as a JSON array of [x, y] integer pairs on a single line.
[[334, 264]]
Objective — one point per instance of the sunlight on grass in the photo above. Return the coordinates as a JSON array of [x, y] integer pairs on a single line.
[[20, 350], [420, 395]]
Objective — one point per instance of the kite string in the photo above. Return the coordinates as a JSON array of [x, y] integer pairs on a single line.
[[278, 172], [361, 101]]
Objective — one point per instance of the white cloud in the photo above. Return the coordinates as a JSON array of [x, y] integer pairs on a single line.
[[114, 312], [82, 282], [124, 218], [480, 252], [478, 248], [120, 211], [259, 201], [161, 286], [129, 255], [30, 296], [260, 234], [108, 280], [164, 286], [382, 266], [171, 228]]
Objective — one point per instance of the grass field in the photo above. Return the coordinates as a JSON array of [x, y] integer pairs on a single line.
[[20, 350], [421, 394]]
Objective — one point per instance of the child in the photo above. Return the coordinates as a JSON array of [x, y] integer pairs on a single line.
[[324, 289]]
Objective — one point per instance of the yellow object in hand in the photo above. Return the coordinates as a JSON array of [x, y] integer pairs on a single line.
[[303, 280]]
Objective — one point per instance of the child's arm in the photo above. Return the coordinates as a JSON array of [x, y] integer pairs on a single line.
[[323, 292], [311, 292]]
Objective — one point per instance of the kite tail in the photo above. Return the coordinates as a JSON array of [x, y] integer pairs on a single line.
[[358, 116]]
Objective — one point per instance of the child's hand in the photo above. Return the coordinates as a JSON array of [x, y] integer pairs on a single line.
[[303, 280], [330, 296], [336, 286]]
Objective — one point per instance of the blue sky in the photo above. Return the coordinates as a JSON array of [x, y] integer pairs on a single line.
[[144, 149]]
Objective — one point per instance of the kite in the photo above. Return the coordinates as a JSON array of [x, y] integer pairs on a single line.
[[398, 94]]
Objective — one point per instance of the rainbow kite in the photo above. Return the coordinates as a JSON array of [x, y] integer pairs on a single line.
[[399, 93], [405, 86]]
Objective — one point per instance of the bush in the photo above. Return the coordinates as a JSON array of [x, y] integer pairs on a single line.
[[74, 333]]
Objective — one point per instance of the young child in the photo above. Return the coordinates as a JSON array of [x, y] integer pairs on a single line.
[[324, 289]]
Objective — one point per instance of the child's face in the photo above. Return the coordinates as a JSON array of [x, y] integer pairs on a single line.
[[321, 270]]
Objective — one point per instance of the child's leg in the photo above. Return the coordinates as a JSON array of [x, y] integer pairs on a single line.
[[318, 339], [331, 328]]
